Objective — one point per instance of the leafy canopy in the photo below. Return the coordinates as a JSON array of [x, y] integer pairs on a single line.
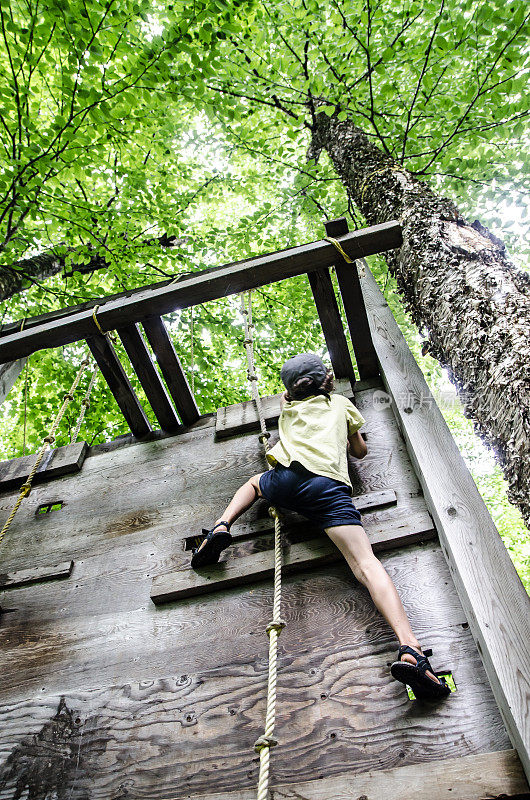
[[125, 122]]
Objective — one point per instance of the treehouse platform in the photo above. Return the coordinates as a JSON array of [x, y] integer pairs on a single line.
[[126, 674]]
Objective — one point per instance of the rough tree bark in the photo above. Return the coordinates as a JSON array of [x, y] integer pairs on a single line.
[[460, 288], [14, 278]]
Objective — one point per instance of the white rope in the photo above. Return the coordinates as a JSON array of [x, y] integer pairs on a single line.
[[85, 402], [267, 740]]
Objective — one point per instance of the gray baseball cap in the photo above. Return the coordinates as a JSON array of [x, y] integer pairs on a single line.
[[305, 365]]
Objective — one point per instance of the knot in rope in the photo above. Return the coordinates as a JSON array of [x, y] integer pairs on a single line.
[[275, 625], [263, 437], [50, 438], [263, 742], [25, 489]]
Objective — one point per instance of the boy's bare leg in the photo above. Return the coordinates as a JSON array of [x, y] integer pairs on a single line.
[[245, 497], [355, 546]]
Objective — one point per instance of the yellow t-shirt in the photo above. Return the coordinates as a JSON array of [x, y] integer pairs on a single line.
[[314, 432]]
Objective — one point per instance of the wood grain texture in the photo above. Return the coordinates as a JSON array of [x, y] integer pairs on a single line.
[[56, 463], [165, 702], [101, 628], [8, 374], [23, 577], [190, 732], [169, 363], [119, 384], [199, 288], [354, 307], [140, 358], [331, 323], [489, 587], [486, 775]]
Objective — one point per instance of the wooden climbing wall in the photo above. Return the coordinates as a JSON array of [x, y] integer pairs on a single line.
[[107, 696]]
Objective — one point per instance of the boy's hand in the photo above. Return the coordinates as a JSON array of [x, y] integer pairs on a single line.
[[357, 445]]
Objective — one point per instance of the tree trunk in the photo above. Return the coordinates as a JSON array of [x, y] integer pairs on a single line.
[[460, 288], [14, 278]]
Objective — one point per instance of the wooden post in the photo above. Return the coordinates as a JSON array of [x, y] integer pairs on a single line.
[[140, 358], [8, 374], [493, 597], [354, 308], [169, 363], [119, 384], [331, 322]]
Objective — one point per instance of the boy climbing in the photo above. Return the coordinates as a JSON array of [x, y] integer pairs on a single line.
[[310, 476]]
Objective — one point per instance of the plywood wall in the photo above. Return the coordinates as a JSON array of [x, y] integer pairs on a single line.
[[105, 696]]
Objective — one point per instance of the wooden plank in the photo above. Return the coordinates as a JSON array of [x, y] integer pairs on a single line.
[[468, 777], [8, 374], [259, 566], [491, 592], [57, 462], [354, 308], [331, 322], [199, 288], [119, 384], [174, 375], [24, 577], [140, 358]]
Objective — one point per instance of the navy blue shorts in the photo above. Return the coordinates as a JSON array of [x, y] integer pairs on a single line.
[[323, 501]]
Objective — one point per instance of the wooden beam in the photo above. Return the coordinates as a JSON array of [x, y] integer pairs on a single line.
[[479, 775], [354, 308], [491, 592], [24, 577], [119, 384], [199, 288], [331, 322], [8, 374], [169, 363], [60, 461], [259, 566], [140, 358]]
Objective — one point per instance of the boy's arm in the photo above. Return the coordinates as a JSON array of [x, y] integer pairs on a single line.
[[357, 445]]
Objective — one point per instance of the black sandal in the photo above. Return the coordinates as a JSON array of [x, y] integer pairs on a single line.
[[414, 675], [216, 542]]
